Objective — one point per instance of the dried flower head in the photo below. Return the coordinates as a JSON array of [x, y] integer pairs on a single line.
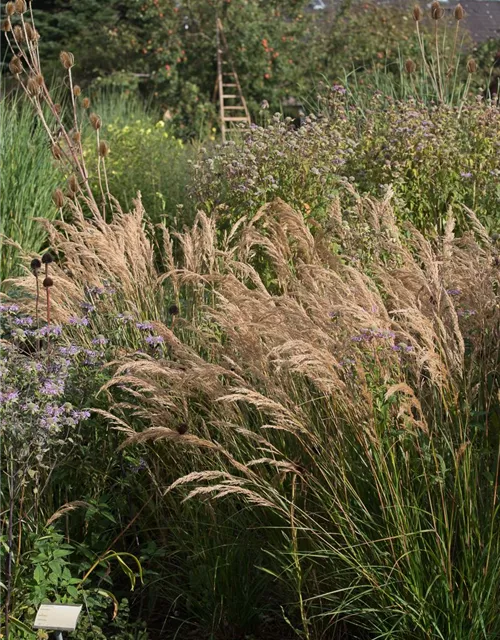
[[85, 103], [76, 91], [57, 108], [20, 6], [437, 11], [459, 12], [57, 151], [18, 34], [15, 66], [32, 86], [173, 310], [73, 184], [48, 282], [471, 66], [47, 258], [76, 137], [10, 8], [58, 198], [95, 121], [417, 13], [103, 149], [410, 66], [182, 428], [6, 25], [30, 31], [67, 59], [35, 265]]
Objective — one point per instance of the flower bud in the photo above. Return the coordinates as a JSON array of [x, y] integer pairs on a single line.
[[471, 66], [47, 258], [459, 12], [58, 198], [417, 13]]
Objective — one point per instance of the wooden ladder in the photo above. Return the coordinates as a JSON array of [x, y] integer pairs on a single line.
[[232, 106]]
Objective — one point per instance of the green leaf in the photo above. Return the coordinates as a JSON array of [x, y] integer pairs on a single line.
[[21, 626], [61, 553], [56, 567], [39, 574], [73, 591]]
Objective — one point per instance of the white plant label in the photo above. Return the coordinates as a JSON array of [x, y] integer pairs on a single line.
[[58, 617]]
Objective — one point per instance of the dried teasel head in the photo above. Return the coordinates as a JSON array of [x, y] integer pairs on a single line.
[[73, 184], [76, 137], [47, 258], [103, 149], [57, 151], [20, 6], [18, 34], [10, 8], [67, 59], [85, 103], [76, 91], [32, 86], [58, 198], [417, 13], [459, 12], [437, 11], [57, 108], [182, 428], [471, 66], [95, 121], [16, 66], [6, 25], [30, 32], [410, 66]]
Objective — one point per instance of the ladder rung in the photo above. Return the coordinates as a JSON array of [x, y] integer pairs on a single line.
[[236, 119], [229, 85], [233, 107], [230, 95]]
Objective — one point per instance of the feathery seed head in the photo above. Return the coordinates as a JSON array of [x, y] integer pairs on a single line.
[[459, 12], [417, 13], [67, 59]]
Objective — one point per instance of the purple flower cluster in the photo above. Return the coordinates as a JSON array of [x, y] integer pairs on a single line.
[[9, 308], [368, 335], [154, 341], [79, 322], [144, 326]]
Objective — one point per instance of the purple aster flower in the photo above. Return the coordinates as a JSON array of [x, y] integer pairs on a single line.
[[144, 326], [338, 88], [100, 340], [72, 350], [79, 322], [50, 330], [9, 308], [27, 321], [87, 307], [52, 388], [154, 340], [9, 396]]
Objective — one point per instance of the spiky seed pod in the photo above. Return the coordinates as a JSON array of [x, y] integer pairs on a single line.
[[20, 6], [73, 184], [57, 151], [6, 25], [15, 66], [76, 137], [95, 121], [32, 86], [67, 59], [36, 265], [76, 91], [173, 310], [459, 12], [182, 428], [103, 149], [10, 8], [410, 66], [85, 103], [57, 108], [39, 79], [30, 32], [58, 198], [437, 11], [471, 66], [48, 282], [47, 258], [18, 34], [417, 13]]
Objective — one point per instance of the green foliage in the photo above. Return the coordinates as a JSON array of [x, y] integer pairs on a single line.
[[28, 180]]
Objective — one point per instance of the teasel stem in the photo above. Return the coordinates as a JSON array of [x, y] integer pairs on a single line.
[[75, 119], [37, 311], [30, 4], [99, 175], [439, 79], [427, 66], [454, 49]]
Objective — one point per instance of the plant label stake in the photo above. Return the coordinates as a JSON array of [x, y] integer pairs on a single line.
[[58, 617]]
